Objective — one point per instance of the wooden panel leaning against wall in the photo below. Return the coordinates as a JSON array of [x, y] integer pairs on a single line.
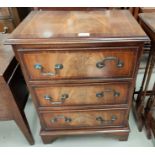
[[13, 90]]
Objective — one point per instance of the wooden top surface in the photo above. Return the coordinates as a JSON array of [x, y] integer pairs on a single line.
[[75, 25], [148, 19], [6, 54]]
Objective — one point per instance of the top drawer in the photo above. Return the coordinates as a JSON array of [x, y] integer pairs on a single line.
[[78, 64]]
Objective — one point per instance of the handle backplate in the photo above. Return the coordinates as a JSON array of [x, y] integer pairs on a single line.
[[108, 122], [102, 63], [102, 93], [59, 117], [46, 73], [50, 99]]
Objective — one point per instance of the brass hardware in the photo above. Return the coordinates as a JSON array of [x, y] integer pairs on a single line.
[[113, 117], [46, 97], [102, 121], [5, 29], [45, 73], [62, 98], [101, 64], [66, 119], [58, 66], [101, 94], [38, 66]]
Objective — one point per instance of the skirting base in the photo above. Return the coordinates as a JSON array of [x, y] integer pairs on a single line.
[[49, 136]]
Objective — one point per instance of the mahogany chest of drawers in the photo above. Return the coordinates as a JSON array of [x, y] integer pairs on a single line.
[[80, 68]]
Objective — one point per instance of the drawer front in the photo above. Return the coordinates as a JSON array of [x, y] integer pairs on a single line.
[[6, 26], [80, 64], [83, 119], [88, 94]]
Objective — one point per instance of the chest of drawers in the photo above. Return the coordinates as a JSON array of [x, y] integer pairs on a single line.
[[80, 67]]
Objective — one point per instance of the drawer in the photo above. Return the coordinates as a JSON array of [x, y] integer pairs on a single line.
[[6, 26], [79, 64], [82, 94], [83, 119]]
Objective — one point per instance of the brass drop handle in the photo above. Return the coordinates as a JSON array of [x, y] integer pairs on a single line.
[[101, 94], [57, 118], [62, 98], [45, 73], [103, 121], [102, 63], [5, 29]]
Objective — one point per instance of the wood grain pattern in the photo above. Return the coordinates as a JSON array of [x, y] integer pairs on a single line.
[[83, 119], [113, 94], [80, 64], [45, 25], [80, 41]]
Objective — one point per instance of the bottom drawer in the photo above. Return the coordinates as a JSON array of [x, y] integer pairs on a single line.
[[75, 119]]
